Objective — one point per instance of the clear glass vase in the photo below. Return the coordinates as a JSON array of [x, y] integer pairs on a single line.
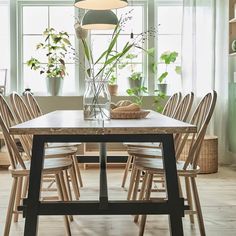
[[96, 100]]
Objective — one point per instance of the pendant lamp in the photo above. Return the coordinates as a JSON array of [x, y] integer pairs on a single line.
[[99, 20], [101, 4]]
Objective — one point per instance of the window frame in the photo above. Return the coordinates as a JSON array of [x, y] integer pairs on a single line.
[[20, 59]]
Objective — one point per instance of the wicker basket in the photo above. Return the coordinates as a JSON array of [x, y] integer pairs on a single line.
[[130, 114], [208, 160]]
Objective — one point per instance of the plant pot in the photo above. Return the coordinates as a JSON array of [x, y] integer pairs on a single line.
[[113, 89], [54, 86], [162, 88], [136, 83]]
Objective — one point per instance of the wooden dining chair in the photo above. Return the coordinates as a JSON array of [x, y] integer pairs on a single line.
[[19, 169], [33, 105], [180, 112], [36, 111], [188, 169], [22, 115], [172, 104]]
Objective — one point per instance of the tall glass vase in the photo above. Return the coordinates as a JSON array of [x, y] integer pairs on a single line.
[[96, 100]]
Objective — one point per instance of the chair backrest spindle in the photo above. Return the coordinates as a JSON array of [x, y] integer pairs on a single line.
[[33, 105], [171, 105], [7, 120]]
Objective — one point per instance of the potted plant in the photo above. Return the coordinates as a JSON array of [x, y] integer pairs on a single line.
[[137, 94], [168, 57], [135, 78], [56, 47], [112, 85]]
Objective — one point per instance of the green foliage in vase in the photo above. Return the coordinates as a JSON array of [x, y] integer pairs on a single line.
[[103, 66], [56, 47]]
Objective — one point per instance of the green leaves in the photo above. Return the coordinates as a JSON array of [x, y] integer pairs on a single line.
[[178, 70], [162, 77], [169, 57], [137, 93], [33, 63], [136, 76], [56, 47], [86, 49]]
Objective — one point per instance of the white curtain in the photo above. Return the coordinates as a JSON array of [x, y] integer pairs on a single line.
[[205, 59]]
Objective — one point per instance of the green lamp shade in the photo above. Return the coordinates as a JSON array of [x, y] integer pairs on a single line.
[[99, 20], [101, 4]]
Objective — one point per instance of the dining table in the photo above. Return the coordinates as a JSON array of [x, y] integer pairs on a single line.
[[70, 126]]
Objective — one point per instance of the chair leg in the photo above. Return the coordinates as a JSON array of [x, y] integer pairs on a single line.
[[77, 170], [74, 183], [198, 207], [18, 198], [127, 167], [25, 187], [136, 185], [64, 190], [60, 193], [141, 194], [132, 181], [10, 207], [189, 198], [146, 197], [68, 184]]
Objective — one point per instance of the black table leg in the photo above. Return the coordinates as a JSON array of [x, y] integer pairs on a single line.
[[176, 204], [32, 203], [103, 198]]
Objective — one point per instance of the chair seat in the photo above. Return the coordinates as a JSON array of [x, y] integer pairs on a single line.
[[56, 145], [50, 166], [145, 145], [59, 152], [156, 165], [145, 152]]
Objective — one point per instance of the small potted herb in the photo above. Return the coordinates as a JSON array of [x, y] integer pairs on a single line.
[[112, 85]]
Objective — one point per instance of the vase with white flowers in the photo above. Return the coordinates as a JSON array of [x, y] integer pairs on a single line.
[[96, 102]]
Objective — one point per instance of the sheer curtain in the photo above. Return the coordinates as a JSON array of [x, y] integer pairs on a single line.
[[205, 59]]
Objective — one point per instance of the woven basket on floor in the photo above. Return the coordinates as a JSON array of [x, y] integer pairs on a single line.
[[208, 161]]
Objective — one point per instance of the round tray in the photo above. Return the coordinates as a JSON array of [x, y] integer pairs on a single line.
[[129, 114]]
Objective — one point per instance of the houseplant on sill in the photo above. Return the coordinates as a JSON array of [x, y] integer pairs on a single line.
[[168, 57], [136, 82], [112, 85], [56, 47]]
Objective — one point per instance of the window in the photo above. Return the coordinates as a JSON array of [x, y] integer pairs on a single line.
[[169, 21], [35, 16], [35, 19]]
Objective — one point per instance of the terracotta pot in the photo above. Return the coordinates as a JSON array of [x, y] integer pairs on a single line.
[[113, 89]]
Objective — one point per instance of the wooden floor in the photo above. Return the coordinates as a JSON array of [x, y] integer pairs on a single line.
[[217, 193]]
